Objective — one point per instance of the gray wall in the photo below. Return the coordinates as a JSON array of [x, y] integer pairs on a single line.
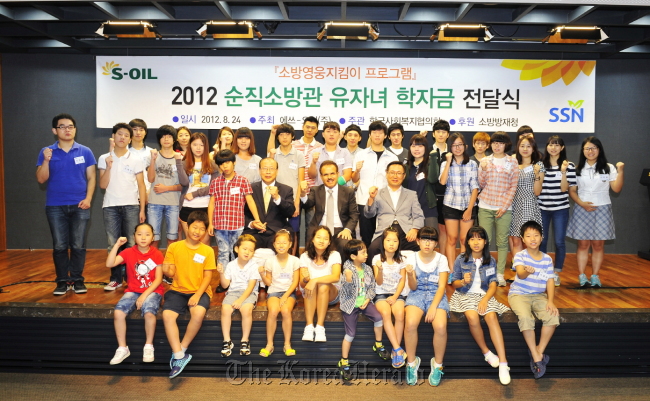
[[37, 87]]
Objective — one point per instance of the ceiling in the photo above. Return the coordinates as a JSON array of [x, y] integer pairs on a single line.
[[290, 27]]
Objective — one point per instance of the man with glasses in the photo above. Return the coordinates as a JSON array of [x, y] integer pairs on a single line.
[[275, 205], [69, 170], [397, 207]]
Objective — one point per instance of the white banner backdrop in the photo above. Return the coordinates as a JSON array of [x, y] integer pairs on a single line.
[[473, 95]]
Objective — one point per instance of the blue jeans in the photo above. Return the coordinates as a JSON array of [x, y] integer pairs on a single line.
[[226, 240], [155, 215], [69, 226], [560, 219], [120, 221]]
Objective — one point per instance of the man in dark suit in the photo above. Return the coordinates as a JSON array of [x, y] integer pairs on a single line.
[[275, 205], [335, 206]]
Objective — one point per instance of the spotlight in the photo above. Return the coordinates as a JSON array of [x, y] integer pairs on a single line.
[[128, 29], [348, 31], [576, 34], [230, 30], [462, 33]]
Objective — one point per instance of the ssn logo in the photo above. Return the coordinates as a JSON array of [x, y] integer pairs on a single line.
[[134, 73], [575, 113]]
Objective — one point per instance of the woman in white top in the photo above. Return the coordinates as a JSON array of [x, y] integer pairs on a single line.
[[592, 222], [320, 272]]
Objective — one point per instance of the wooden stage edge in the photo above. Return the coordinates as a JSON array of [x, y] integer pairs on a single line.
[[624, 297]]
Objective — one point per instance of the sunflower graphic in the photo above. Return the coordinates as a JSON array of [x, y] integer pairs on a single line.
[[550, 71], [108, 68]]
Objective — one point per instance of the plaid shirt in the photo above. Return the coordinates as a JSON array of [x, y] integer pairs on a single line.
[[306, 149], [229, 200], [498, 184], [462, 179]]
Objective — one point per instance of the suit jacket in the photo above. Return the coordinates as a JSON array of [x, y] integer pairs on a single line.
[[277, 215], [408, 213], [347, 207]]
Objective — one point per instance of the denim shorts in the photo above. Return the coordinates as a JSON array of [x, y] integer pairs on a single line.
[[279, 295], [177, 301], [423, 299], [127, 305], [155, 216], [383, 297], [232, 296], [333, 302]]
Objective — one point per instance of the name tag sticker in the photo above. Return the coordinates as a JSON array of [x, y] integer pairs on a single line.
[[174, 169], [528, 169], [542, 275], [603, 177], [490, 271], [252, 166], [128, 170], [340, 160], [150, 264], [79, 160], [293, 166], [419, 176], [235, 191], [434, 278], [198, 258], [285, 276]]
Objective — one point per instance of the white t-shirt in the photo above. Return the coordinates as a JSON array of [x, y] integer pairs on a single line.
[[439, 262], [145, 154], [392, 276], [316, 271], [281, 277], [594, 187], [239, 277], [197, 181], [122, 188]]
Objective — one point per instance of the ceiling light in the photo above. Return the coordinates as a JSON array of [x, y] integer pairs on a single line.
[[128, 29], [576, 34], [348, 31], [462, 33], [230, 30]]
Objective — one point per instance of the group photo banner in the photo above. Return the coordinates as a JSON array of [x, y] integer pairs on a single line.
[[472, 94]]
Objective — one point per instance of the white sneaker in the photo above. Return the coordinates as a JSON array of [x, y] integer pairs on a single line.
[[492, 359], [501, 280], [504, 374], [120, 355], [320, 334], [147, 354], [112, 286], [308, 334]]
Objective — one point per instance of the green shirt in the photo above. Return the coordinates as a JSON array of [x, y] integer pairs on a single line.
[[361, 295]]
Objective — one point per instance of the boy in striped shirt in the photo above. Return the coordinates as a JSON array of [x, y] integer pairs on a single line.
[[532, 294]]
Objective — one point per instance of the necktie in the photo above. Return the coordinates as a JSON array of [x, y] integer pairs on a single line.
[[329, 210], [267, 199]]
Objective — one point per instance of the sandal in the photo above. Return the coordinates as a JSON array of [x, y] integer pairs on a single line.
[[245, 348], [289, 351], [265, 352], [398, 360], [226, 349]]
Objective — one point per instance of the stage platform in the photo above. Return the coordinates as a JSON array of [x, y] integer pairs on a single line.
[[603, 331]]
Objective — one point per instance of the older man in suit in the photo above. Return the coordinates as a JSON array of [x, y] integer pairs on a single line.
[[395, 207], [335, 206], [275, 205]]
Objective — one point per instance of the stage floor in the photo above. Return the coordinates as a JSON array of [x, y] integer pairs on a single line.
[[626, 285]]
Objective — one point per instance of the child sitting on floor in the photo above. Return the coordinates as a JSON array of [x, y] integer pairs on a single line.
[[242, 280], [144, 290], [528, 299]]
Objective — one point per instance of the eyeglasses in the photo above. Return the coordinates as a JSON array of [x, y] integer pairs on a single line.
[[66, 127], [427, 241], [590, 149], [395, 173], [458, 145]]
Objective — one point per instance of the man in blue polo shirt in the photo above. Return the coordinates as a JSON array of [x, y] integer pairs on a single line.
[[69, 170]]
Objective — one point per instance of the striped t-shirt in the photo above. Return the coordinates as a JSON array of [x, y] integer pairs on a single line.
[[552, 197], [535, 283]]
